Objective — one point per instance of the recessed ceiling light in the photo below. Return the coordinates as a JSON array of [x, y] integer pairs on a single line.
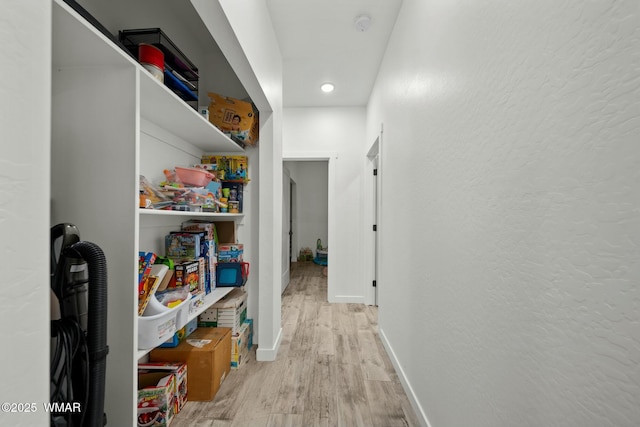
[[327, 87]]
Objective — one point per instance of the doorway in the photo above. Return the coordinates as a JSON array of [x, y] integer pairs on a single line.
[[308, 187], [287, 229]]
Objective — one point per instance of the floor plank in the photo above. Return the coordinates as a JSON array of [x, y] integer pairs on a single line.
[[331, 370]]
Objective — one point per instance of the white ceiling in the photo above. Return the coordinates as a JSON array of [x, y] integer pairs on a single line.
[[319, 43]]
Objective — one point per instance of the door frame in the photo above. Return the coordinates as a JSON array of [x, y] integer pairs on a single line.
[[286, 230], [373, 216], [330, 157]]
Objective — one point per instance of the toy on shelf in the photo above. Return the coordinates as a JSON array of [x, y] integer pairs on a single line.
[[227, 168]]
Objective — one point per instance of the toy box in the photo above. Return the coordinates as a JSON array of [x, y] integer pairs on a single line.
[[240, 346], [230, 252], [187, 273], [156, 398], [207, 354], [234, 117], [179, 370], [182, 245]]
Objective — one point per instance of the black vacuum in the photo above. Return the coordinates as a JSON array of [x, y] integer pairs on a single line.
[[78, 329]]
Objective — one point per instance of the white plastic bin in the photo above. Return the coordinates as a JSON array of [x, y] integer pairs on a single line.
[[156, 329]]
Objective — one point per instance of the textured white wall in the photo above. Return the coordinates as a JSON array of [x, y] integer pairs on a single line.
[[509, 286], [25, 121], [338, 130]]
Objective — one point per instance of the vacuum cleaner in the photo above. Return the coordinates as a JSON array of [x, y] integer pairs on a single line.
[[78, 329]]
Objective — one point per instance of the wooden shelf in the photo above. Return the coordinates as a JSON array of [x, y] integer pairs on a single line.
[[218, 216], [161, 106]]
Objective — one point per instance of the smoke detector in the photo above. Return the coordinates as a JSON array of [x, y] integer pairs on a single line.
[[362, 23]]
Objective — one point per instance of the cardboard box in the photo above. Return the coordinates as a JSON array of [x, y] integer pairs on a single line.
[[234, 117], [156, 398], [240, 346], [179, 370], [225, 232], [230, 252], [207, 353]]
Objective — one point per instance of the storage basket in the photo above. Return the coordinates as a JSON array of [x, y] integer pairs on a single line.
[[156, 329], [195, 177]]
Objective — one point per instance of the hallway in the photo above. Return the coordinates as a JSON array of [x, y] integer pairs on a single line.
[[331, 370]]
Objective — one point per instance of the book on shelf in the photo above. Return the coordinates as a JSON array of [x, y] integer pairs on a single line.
[[145, 262], [153, 282]]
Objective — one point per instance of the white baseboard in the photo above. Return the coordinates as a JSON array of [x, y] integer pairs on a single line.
[[269, 354], [406, 385], [343, 299]]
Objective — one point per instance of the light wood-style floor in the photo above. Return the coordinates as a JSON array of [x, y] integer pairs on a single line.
[[331, 370]]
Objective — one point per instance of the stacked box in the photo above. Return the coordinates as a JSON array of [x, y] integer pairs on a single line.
[[179, 370], [208, 318], [156, 398], [240, 346], [230, 312], [232, 317]]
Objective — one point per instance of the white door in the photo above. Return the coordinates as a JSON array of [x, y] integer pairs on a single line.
[[286, 228], [376, 251]]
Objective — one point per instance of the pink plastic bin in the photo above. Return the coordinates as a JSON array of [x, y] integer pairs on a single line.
[[194, 176]]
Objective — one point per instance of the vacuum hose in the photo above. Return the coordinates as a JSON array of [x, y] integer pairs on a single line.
[[96, 331]]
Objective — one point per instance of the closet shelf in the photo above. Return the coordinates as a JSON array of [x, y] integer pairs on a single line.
[[215, 295], [210, 215]]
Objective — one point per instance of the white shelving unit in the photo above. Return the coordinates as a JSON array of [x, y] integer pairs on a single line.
[[111, 122]]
